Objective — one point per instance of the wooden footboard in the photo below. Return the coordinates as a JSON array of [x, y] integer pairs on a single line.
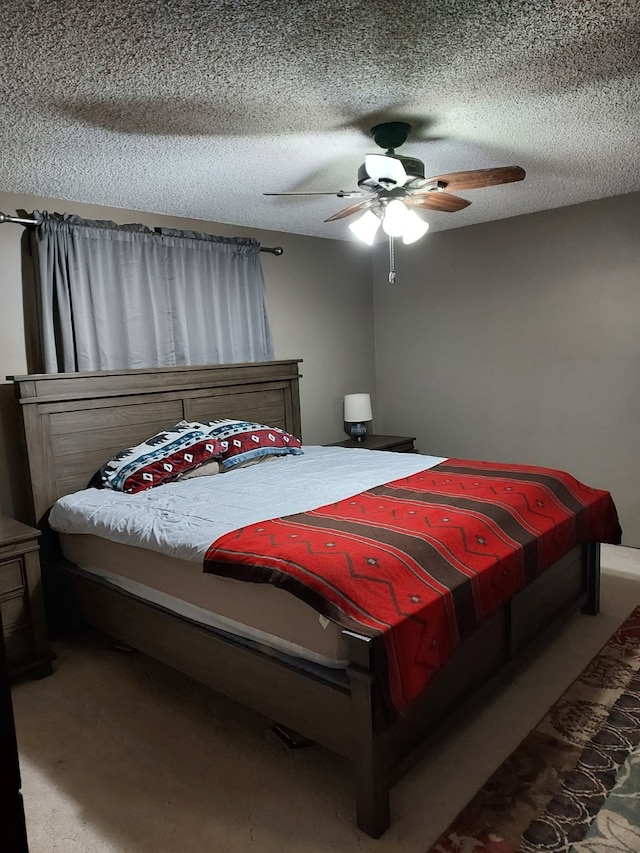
[[571, 585]]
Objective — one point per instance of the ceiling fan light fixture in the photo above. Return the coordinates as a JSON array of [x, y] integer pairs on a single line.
[[414, 228], [383, 169], [396, 216], [366, 227]]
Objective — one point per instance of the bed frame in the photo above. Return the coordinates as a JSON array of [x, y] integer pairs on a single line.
[[73, 422]]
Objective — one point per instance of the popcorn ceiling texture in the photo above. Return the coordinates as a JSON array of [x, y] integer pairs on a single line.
[[196, 107]]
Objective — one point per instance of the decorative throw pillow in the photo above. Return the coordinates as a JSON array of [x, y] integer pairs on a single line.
[[244, 441], [159, 459]]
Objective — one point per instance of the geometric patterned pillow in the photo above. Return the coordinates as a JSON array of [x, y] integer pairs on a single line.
[[245, 441], [159, 459]]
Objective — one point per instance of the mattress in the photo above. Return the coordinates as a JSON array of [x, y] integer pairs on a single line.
[[152, 544], [260, 613]]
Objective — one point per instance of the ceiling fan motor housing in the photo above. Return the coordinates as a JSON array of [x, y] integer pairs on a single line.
[[413, 167]]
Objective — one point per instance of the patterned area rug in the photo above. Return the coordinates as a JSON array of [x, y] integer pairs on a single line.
[[573, 784]]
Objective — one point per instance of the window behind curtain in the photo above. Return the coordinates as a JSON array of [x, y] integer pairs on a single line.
[[123, 296]]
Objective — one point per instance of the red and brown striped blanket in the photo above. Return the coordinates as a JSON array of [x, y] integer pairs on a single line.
[[423, 559]]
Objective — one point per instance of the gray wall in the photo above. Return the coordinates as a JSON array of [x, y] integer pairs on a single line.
[[515, 340], [320, 305], [519, 340]]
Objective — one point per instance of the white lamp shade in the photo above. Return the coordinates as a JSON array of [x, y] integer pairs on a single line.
[[396, 215], [357, 408], [366, 227], [414, 228]]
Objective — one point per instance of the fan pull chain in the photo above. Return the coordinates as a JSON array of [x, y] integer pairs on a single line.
[[392, 262]]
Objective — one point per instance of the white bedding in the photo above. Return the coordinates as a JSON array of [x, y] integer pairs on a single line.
[[182, 519]]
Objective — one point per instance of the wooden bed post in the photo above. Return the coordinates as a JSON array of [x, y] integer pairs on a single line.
[[592, 579], [371, 775]]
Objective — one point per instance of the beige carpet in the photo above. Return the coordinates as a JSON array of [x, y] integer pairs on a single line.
[[121, 755]]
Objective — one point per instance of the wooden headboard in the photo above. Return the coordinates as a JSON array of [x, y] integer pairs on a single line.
[[74, 422]]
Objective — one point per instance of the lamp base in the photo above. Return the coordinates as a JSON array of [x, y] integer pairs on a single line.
[[357, 431]]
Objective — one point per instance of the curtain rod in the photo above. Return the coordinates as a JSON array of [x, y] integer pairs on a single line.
[[5, 217]]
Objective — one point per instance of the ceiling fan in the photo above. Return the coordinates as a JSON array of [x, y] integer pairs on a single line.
[[392, 187]]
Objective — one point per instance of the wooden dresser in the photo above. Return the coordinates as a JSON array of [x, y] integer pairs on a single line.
[[21, 601]]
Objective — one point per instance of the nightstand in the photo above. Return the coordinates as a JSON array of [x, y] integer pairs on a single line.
[[21, 601], [396, 443]]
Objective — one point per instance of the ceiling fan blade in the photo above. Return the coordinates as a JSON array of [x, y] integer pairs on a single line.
[[339, 193], [353, 208], [478, 178], [383, 169], [438, 201]]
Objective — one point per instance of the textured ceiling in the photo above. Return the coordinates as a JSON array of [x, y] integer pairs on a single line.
[[196, 107]]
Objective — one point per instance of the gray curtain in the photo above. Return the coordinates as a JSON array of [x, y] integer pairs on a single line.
[[123, 296]]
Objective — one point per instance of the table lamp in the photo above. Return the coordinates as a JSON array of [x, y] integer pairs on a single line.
[[357, 413]]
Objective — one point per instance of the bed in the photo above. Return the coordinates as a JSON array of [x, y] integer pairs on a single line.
[[74, 422]]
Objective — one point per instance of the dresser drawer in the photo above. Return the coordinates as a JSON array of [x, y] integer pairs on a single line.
[[11, 576], [15, 612]]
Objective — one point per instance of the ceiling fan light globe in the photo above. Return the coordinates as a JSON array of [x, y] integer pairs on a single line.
[[414, 228], [366, 227], [395, 217]]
